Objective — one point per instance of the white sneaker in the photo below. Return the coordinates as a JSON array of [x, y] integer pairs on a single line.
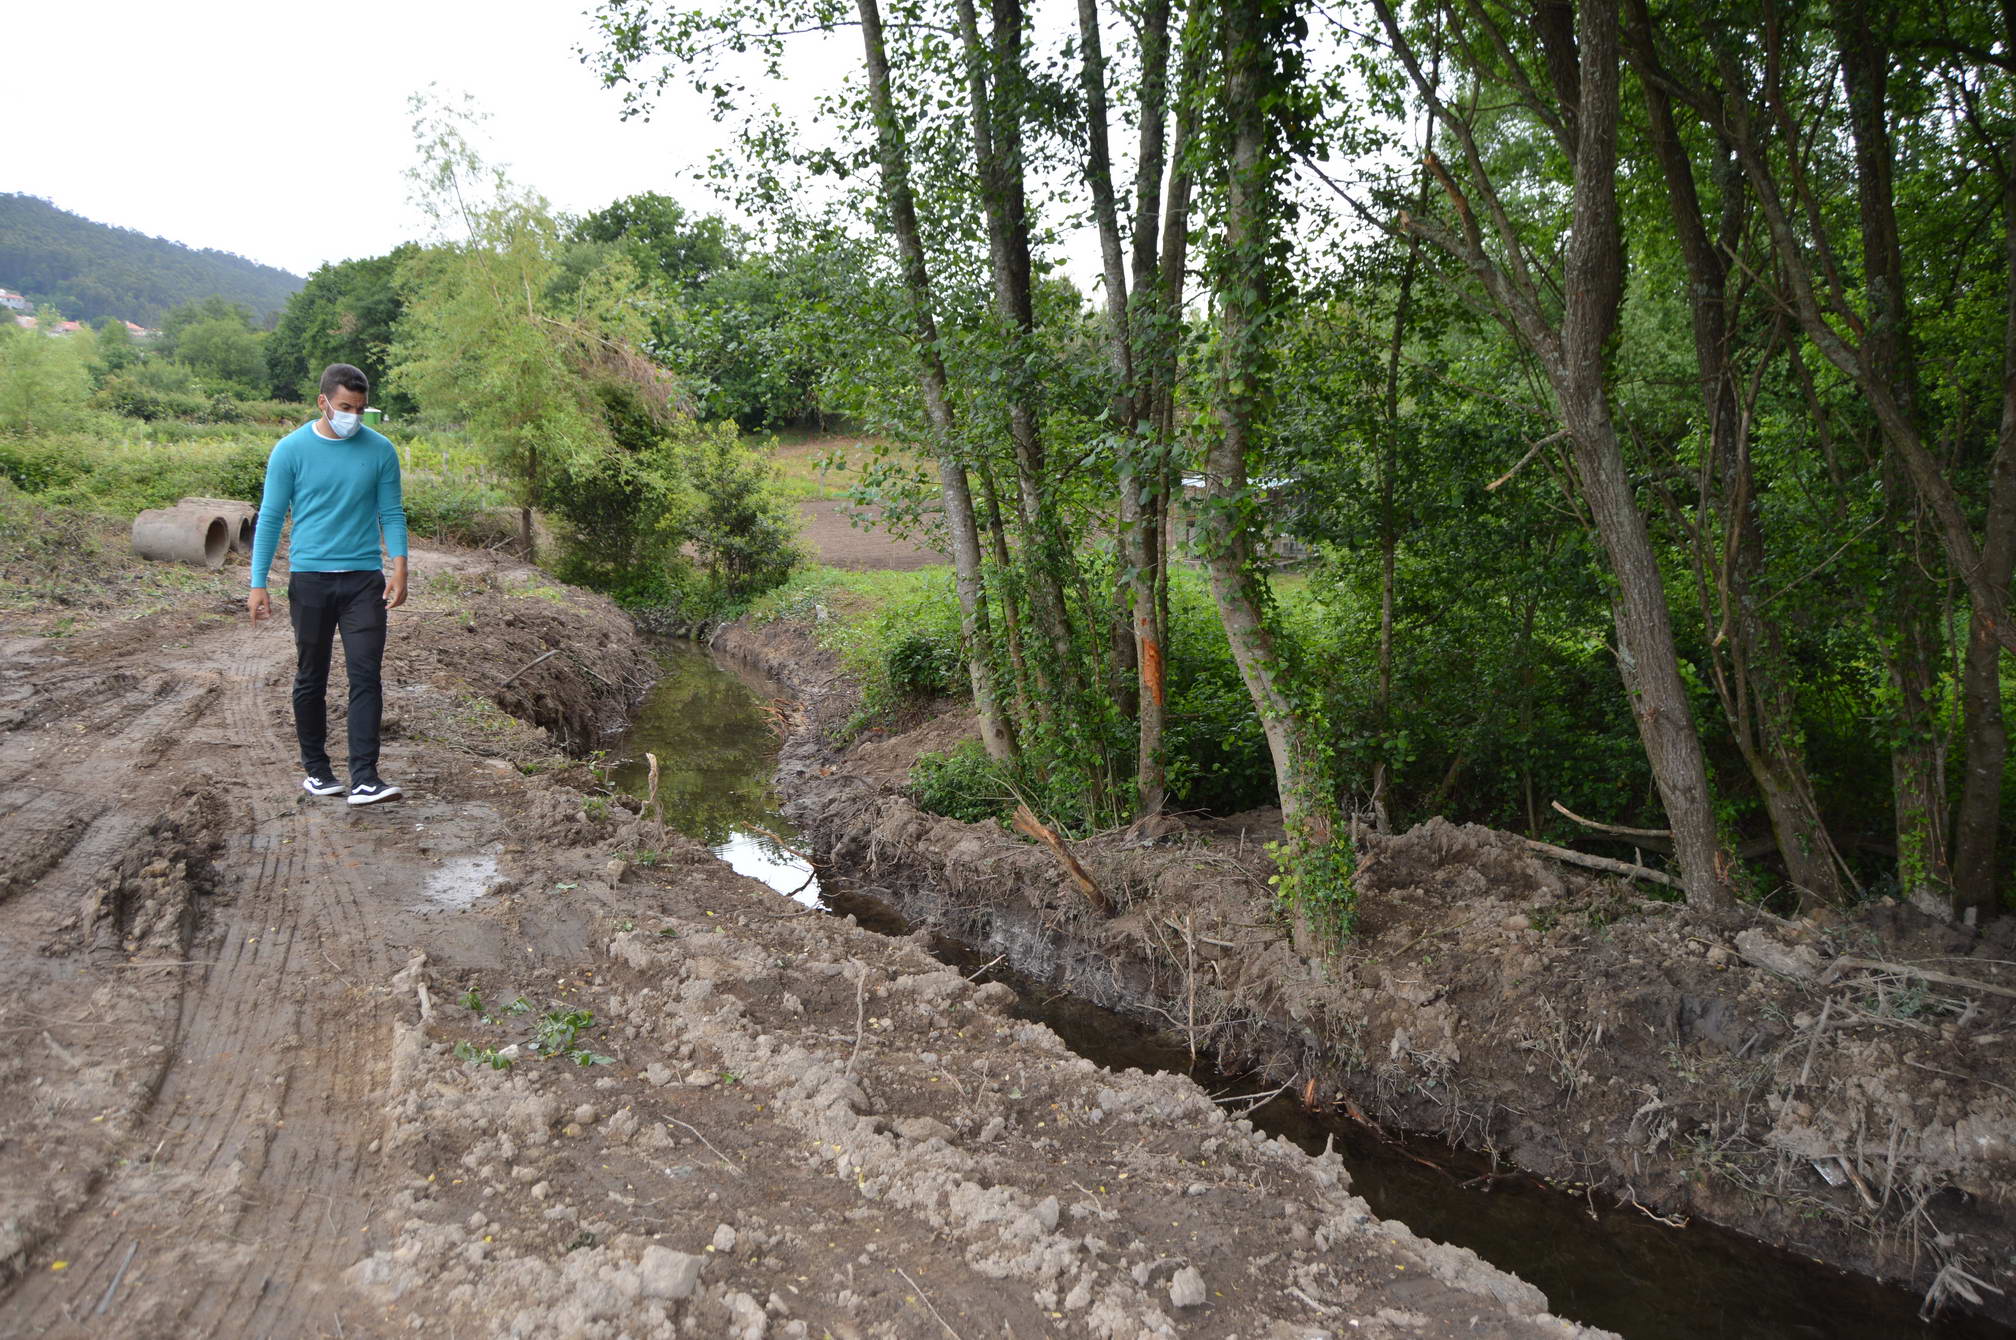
[[370, 793]]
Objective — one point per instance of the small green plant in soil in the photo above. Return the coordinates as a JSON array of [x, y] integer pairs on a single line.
[[559, 1030], [489, 1056], [556, 1034]]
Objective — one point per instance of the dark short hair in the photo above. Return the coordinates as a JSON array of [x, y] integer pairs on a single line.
[[342, 377]]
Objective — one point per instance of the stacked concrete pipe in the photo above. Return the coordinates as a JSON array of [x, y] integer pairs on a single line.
[[197, 536], [243, 518]]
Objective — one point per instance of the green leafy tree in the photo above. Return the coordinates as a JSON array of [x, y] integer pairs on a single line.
[[546, 370], [225, 353], [347, 312], [197, 312], [44, 379], [673, 249], [116, 350]]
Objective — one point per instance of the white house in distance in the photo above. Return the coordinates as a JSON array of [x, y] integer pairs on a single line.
[[72, 327], [14, 301]]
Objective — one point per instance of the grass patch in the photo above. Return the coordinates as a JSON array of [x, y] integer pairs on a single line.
[[68, 568], [812, 466], [473, 724]]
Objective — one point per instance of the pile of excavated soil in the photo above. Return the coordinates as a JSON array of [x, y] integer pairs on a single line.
[[505, 1059], [1843, 1085]]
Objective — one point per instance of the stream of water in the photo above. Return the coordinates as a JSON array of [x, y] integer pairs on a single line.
[[1605, 1265]]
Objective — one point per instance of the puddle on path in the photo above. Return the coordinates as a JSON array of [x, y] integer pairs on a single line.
[[1606, 1266], [459, 881], [717, 755]]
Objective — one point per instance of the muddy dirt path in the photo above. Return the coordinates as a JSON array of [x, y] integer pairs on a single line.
[[274, 1066], [147, 788]]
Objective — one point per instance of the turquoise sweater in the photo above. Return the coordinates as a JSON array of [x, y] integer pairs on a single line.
[[342, 492]]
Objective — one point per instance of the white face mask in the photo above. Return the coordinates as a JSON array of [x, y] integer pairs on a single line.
[[343, 423]]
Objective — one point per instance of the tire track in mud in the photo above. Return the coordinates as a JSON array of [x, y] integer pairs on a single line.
[[40, 833], [238, 1219]]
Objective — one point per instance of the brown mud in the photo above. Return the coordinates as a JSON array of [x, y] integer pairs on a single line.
[[1842, 1086], [504, 1059]]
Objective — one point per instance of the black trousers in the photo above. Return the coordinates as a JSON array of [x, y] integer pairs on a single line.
[[322, 604]]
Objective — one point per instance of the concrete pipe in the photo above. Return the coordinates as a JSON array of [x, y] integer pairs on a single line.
[[243, 518], [173, 535]]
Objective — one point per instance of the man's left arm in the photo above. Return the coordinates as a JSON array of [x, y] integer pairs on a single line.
[[392, 521], [395, 583]]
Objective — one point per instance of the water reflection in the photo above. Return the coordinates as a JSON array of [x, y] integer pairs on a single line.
[[717, 752]]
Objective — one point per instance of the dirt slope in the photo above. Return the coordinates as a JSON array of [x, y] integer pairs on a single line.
[[250, 1085]]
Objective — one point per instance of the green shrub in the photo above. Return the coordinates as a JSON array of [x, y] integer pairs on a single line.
[[921, 666], [963, 784], [121, 478], [242, 472], [131, 398], [466, 511], [32, 465]]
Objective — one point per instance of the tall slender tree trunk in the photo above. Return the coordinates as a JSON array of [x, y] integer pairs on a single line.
[[995, 92], [1751, 671], [995, 731], [1909, 613], [1243, 322], [1909, 629], [1389, 471], [1584, 73], [1011, 616], [1121, 411], [1156, 313], [1977, 826], [1593, 278]]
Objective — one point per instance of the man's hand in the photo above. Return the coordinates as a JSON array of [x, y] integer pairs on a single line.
[[259, 605], [395, 584]]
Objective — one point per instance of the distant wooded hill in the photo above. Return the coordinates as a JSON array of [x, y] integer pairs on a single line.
[[92, 270]]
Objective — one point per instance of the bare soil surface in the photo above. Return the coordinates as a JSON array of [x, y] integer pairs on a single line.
[[502, 1059], [846, 536], [1844, 1086]]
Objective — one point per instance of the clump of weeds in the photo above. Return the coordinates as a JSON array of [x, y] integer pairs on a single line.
[[556, 1034]]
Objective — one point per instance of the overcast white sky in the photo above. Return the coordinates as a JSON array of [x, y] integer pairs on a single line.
[[280, 131]]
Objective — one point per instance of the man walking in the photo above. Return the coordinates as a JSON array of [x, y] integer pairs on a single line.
[[341, 481]]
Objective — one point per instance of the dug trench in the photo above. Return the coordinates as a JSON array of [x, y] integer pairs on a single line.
[[1839, 1087], [506, 1058]]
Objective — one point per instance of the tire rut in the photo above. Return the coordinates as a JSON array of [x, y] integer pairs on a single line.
[[237, 1220]]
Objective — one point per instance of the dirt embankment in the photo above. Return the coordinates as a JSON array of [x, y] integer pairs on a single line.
[[1845, 1086], [503, 1059]]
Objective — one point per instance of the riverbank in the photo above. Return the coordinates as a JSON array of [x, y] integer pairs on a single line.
[[1844, 1087], [507, 1058]]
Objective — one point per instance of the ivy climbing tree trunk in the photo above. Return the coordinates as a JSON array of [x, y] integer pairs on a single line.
[[996, 96], [995, 731], [1244, 290]]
